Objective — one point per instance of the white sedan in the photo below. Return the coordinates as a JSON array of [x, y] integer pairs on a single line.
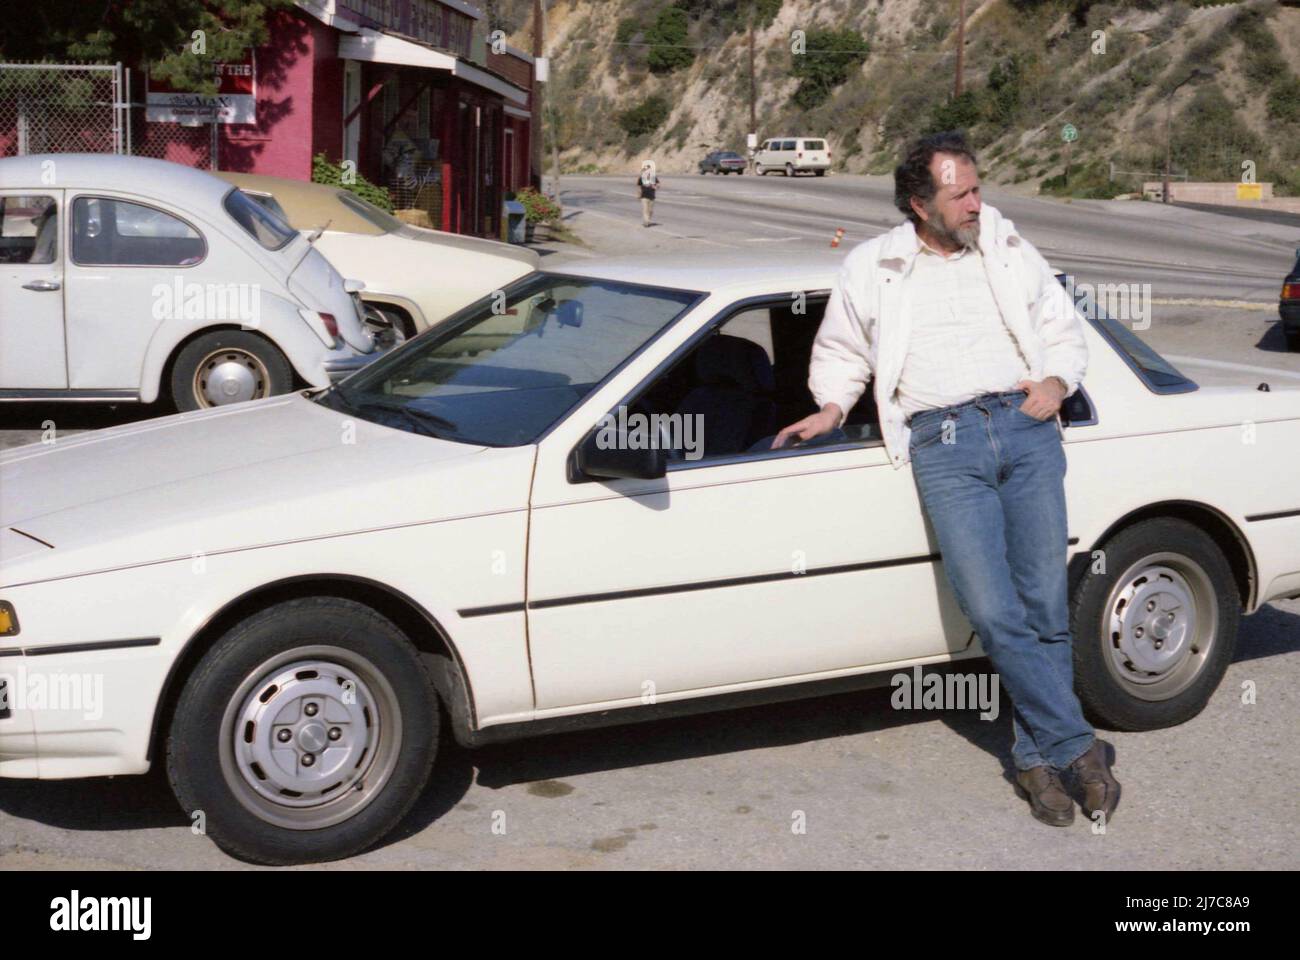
[[579, 524], [125, 279]]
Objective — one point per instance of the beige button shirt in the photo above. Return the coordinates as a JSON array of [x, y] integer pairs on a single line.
[[959, 347]]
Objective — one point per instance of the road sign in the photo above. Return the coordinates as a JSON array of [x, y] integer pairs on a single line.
[[1069, 134]]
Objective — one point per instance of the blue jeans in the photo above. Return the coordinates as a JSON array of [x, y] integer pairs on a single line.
[[992, 480]]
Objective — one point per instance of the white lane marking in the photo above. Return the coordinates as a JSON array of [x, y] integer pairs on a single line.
[[1229, 365], [1207, 302]]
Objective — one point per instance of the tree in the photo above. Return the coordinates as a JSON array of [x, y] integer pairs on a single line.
[[667, 38], [179, 40], [828, 58]]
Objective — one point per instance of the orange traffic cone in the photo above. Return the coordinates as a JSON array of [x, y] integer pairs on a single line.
[[839, 235]]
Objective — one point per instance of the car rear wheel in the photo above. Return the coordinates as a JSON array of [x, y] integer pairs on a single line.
[[759, 171], [305, 734], [228, 366], [1154, 626], [789, 169], [1293, 340], [820, 173]]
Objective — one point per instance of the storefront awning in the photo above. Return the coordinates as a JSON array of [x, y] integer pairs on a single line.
[[375, 46]]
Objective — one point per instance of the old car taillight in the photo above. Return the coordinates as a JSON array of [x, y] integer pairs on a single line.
[[1291, 291], [331, 324]]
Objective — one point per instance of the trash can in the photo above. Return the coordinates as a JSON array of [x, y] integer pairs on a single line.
[[516, 221]]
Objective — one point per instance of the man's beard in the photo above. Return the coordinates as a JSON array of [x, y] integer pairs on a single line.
[[964, 236]]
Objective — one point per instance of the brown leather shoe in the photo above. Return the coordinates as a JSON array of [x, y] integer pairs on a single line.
[[1099, 787], [1048, 801]]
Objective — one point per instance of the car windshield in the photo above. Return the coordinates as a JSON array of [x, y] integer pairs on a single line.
[[268, 229], [1154, 370], [502, 371]]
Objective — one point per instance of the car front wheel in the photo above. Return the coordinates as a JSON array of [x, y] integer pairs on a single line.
[[305, 734], [228, 366], [1154, 621]]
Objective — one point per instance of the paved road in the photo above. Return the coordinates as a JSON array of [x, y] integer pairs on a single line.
[[1181, 252], [874, 787]]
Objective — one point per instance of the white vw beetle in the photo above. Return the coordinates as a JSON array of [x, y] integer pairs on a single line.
[[127, 279], [484, 532]]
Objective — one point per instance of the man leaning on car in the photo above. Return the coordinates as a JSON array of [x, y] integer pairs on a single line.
[[973, 345]]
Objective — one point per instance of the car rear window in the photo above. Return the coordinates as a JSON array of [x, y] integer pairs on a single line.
[[258, 222], [363, 208]]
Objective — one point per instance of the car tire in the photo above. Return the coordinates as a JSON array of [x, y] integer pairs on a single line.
[[250, 364], [820, 173], [789, 169], [741, 172], [1293, 340], [241, 743], [1126, 679], [703, 171], [759, 171]]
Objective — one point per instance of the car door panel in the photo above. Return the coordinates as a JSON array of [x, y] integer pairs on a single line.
[[779, 566], [32, 339]]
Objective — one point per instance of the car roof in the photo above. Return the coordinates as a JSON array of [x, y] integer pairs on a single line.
[[740, 272], [308, 204], [107, 171]]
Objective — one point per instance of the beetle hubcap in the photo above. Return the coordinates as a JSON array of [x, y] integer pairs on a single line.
[[229, 376], [308, 740], [1160, 624]]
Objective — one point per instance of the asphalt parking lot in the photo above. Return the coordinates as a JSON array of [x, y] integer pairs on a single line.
[[844, 781]]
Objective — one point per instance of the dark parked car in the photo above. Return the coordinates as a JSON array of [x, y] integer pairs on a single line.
[[1289, 305], [723, 161]]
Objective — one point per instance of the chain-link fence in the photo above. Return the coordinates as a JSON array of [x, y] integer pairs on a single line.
[[61, 108], [91, 108]]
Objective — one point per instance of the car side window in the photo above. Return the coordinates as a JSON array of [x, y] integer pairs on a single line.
[[29, 229], [729, 393], [108, 232]]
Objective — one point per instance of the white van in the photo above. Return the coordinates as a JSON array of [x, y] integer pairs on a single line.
[[793, 154]]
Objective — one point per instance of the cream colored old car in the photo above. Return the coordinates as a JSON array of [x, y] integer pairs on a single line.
[[413, 277]]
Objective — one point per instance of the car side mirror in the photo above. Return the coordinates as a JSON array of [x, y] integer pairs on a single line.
[[612, 455]]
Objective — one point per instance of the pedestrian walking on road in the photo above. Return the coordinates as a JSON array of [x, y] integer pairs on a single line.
[[647, 183]]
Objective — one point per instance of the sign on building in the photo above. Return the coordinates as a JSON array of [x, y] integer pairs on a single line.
[[234, 102]]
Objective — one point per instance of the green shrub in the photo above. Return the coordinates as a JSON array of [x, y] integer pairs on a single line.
[[1284, 99], [323, 170], [538, 208], [829, 58], [667, 38], [645, 117]]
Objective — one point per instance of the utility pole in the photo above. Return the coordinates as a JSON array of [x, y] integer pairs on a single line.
[[961, 46], [753, 85], [535, 125], [555, 129]]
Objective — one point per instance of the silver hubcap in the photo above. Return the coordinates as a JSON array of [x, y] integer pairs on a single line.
[[310, 737], [230, 375], [1160, 624]]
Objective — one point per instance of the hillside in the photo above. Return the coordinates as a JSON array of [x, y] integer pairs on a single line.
[[634, 78]]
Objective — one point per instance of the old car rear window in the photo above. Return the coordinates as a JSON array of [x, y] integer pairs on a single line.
[[814, 144], [269, 230], [363, 208]]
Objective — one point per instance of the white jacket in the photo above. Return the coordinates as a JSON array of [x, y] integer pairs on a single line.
[[865, 330]]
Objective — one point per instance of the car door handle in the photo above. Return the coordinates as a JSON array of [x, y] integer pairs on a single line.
[[42, 286]]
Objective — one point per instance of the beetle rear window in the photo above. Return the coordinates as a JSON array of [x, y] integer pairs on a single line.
[[269, 230]]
